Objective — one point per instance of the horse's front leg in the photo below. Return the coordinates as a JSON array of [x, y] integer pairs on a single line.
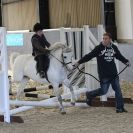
[[57, 92], [67, 84]]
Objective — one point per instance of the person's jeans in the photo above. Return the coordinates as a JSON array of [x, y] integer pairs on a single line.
[[42, 63], [105, 83]]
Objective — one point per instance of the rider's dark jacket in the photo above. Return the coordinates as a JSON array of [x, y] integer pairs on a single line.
[[39, 44], [105, 59]]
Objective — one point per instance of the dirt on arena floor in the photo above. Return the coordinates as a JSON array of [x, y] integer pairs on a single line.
[[77, 120]]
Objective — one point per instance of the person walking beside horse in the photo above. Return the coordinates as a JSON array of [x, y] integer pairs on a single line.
[[105, 53]]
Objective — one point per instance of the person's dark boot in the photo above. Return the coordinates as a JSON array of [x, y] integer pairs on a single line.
[[42, 74], [121, 110], [88, 99]]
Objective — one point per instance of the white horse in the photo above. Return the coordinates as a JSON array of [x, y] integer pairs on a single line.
[[24, 68]]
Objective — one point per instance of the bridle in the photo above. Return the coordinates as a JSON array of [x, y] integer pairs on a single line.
[[63, 61]]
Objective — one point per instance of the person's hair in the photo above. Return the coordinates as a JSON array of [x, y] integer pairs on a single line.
[[37, 27], [108, 34]]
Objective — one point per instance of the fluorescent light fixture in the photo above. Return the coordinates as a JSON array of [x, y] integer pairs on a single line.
[[18, 31], [110, 1]]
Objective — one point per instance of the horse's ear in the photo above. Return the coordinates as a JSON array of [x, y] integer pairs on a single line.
[[66, 46], [70, 46]]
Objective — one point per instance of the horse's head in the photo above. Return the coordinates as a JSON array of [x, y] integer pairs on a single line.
[[67, 56], [62, 53]]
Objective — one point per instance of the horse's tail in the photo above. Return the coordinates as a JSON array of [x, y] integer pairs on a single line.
[[12, 58]]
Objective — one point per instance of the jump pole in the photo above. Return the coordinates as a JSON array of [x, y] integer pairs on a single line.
[[48, 102]]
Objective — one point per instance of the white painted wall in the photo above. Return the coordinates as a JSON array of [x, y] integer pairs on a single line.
[[124, 21]]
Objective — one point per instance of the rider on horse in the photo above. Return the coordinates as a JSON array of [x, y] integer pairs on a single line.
[[40, 50]]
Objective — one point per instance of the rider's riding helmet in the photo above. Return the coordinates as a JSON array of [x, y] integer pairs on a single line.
[[37, 27]]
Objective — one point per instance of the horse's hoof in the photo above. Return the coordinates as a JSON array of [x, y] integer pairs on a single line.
[[63, 112], [73, 103]]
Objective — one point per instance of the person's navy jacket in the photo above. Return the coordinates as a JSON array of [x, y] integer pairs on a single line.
[[105, 59]]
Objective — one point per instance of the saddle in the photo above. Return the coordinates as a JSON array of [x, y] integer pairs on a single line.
[[42, 65]]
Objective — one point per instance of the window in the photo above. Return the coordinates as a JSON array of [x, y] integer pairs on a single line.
[[14, 39]]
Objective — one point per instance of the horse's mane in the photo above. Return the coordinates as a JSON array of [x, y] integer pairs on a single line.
[[57, 45]]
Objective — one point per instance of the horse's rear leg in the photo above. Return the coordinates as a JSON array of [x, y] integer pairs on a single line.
[[21, 86]]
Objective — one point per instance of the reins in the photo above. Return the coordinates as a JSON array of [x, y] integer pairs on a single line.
[[98, 79], [65, 64]]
